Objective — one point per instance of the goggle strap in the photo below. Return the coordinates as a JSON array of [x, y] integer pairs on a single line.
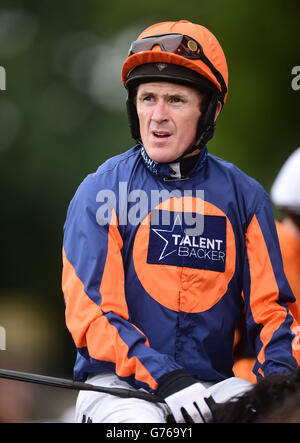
[[217, 74]]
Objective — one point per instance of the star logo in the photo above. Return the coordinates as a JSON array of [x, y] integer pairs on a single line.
[[167, 236]]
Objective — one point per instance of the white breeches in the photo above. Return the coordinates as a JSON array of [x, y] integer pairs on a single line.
[[97, 407]]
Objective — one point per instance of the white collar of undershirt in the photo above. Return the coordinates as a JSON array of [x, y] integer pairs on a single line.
[[174, 169]]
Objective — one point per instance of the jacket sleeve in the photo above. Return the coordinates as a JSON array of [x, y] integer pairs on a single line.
[[96, 310], [270, 324]]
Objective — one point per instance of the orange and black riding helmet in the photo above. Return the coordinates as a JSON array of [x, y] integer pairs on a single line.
[[181, 52]]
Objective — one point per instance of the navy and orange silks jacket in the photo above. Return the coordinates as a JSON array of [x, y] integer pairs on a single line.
[[145, 294]]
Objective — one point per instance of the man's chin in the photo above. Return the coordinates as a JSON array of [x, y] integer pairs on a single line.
[[161, 154]]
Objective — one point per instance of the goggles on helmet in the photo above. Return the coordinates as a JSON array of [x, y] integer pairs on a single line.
[[178, 44]]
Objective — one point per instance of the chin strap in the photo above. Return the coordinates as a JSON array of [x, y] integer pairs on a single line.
[[205, 136]]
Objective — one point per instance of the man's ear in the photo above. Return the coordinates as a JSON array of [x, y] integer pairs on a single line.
[[219, 108]]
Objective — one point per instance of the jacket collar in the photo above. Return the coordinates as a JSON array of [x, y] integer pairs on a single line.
[[172, 171]]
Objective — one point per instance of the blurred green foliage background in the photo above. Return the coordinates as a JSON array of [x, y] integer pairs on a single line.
[[63, 113]]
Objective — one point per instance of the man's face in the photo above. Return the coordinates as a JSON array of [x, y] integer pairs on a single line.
[[168, 115]]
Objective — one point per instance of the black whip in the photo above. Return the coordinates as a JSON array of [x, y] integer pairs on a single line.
[[76, 385]]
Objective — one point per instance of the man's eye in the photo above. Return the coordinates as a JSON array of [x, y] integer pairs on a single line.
[[175, 99], [148, 98]]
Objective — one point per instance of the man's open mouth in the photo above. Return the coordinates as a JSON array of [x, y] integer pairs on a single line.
[[161, 134]]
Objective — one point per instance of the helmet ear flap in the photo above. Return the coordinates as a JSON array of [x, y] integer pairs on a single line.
[[133, 118], [207, 124]]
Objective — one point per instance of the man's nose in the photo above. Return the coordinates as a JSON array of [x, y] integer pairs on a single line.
[[160, 112]]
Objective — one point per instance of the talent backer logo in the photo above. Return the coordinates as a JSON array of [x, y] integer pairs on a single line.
[[171, 245]]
